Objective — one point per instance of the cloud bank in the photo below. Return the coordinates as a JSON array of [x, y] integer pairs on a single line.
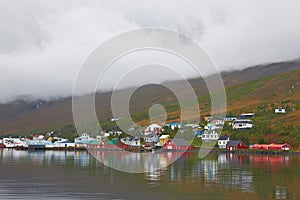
[[43, 43]]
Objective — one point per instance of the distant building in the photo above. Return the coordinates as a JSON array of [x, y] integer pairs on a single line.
[[131, 141], [173, 125], [199, 133], [210, 135], [217, 122], [83, 139], [151, 138], [38, 137], [272, 146], [210, 126], [177, 144], [153, 128], [247, 115], [280, 110], [115, 119], [242, 124], [207, 118], [235, 145], [191, 125], [222, 141], [230, 118], [163, 139]]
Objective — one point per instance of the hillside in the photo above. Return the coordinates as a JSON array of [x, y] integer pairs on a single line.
[[258, 89]]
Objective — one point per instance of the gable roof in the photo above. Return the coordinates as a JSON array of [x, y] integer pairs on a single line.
[[180, 142], [112, 141], [233, 143], [224, 137], [151, 135], [164, 136]]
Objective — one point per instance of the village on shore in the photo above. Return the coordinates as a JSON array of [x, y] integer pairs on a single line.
[[154, 137]]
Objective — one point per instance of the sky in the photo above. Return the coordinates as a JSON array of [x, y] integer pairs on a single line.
[[44, 43]]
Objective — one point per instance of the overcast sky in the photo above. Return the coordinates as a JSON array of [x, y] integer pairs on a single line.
[[43, 43]]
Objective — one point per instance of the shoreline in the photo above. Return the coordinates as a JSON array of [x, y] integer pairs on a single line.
[[196, 150]]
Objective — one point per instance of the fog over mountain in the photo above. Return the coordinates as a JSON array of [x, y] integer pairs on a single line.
[[44, 43]]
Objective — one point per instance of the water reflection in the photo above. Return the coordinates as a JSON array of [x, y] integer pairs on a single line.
[[262, 176]]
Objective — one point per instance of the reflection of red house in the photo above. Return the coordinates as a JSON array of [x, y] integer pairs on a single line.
[[271, 146], [270, 160], [177, 144], [236, 158], [236, 144]]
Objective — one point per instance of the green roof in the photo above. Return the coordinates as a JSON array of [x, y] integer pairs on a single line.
[[113, 141]]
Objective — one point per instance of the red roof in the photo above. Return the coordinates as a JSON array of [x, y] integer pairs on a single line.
[[272, 146]]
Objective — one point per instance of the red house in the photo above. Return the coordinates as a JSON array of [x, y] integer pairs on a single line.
[[274, 147], [177, 144], [260, 147], [236, 144]]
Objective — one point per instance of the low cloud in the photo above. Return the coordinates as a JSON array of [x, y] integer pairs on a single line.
[[43, 43]]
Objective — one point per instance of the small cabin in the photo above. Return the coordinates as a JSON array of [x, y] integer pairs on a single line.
[[210, 135], [230, 118], [235, 145], [151, 138], [163, 139], [247, 115], [199, 133], [177, 144], [173, 125], [280, 110], [131, 141], [222, 141], [153, 128], [242, 124]]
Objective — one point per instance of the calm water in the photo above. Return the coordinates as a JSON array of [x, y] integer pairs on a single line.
[[77, 175]]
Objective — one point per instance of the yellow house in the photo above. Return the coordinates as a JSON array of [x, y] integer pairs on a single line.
[[50, 139], [163, 139]]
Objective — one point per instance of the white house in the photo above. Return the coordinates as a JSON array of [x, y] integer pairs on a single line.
[[131, 141], [247, 115], [242, 124], [83, 139], [280, 110], [210, 135], [222, 141], [153, 128], [151, 138], [12, 142], [38, 137], [115, 119], [230, 118], [192, 125]]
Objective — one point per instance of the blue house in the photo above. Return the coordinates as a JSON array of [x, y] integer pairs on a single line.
[[199, 133], [173, 125]]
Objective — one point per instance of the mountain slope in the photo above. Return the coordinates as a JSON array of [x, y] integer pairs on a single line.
[[247, 90]]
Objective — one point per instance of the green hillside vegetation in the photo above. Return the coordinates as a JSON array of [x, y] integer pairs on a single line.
[[256, 93], [260, 96]]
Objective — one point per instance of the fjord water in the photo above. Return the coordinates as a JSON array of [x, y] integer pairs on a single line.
[[78, 175]]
